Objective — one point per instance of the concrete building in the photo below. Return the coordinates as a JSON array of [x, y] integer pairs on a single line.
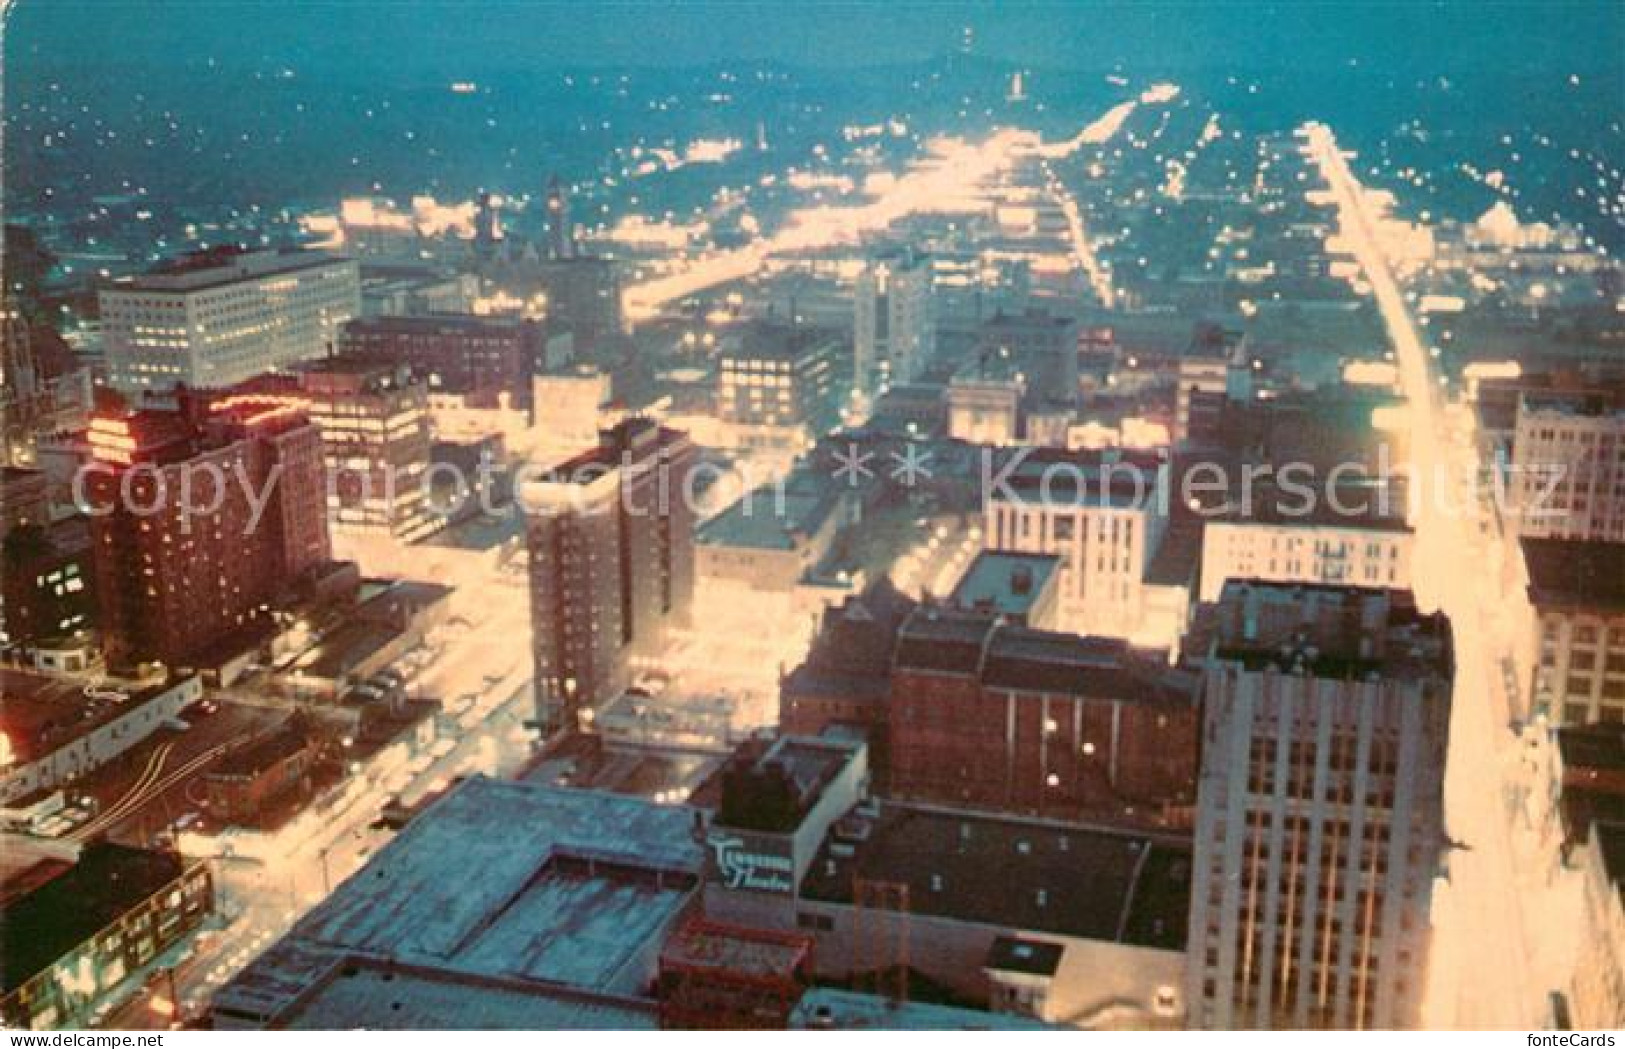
[[894, 322], [1572, 620], [373, 414], [991, 716], [1275, 538], [1568, 466], [984, 403], [502, 905], [1320, 814], [611, 540], [1043, 345], [479, 359], [583, 294], [80, 930], [1102, 514], [568, 404], [191, 540], [218, 318]]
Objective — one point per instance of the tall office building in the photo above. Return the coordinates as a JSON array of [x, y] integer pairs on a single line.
[[216, 318], [479, 358], [611, 539], [894, 324], [374, 417], [1103, 514], [1568, 466], [1320, 807], [201, 516]]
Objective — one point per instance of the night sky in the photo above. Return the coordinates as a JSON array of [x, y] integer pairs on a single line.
[[444, 37]]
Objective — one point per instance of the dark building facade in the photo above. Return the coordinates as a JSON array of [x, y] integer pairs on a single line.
[[200, 517], [478, 358], [611, 540]]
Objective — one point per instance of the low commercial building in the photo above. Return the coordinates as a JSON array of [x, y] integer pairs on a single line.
[[55, 729], [771, 537], [1596, 994], [731, 978], [973, 903], [238, 787], [77, 930], [992, 716]]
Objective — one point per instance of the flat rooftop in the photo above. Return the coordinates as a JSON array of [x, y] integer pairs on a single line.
[[1324, 630], [361, 993], [42, 925], [1006, 582], [1020, 874], [508, 880], [1575, 573], [1020, 658]]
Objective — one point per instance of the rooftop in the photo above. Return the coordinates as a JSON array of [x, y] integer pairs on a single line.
[[512, 881], [1575, 573], [707, 946], [40, 713], [1017, 954], [1019, 874], [1045, 476], [1023, 659], [362, 993], [771, 791], [1599, 747], [1324, 630], [42, 925]]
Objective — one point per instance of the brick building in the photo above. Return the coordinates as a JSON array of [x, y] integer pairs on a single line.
[[201, 516]]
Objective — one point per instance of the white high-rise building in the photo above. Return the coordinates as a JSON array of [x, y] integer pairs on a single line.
[[1319, 823], [217, 319], [894, 324]]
